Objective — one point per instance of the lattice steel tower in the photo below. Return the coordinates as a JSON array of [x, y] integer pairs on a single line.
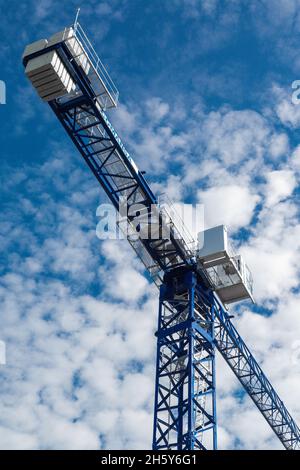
[[195, 282]]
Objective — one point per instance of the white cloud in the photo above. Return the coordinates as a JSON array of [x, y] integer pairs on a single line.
[[123, 280], [280, 185], [14, 440], [286, 110], [229, 205], [157, 109], [234, 136], [272, 251], [294, 161], [279, 145]]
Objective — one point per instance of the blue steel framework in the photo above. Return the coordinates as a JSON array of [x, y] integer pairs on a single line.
[[185, 392], [191, 319], [237, 355]]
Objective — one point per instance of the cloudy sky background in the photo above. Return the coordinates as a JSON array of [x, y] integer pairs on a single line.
[[206, 110]]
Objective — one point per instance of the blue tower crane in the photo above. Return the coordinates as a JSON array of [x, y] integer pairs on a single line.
[[193, 321]]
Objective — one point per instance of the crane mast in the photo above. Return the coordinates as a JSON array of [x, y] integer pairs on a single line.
[[193, 323]]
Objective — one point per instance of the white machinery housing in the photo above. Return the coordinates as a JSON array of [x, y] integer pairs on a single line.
[[227, 271]]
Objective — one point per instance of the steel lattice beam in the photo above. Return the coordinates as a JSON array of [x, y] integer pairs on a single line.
[[185, 406], [238, 356]]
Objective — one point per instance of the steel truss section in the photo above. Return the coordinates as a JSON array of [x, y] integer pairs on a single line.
[[97, 144], [238, 356], [102, 149], [185, 407], [247, 370]]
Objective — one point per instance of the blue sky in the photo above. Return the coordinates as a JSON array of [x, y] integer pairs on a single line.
[[206, 110]]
